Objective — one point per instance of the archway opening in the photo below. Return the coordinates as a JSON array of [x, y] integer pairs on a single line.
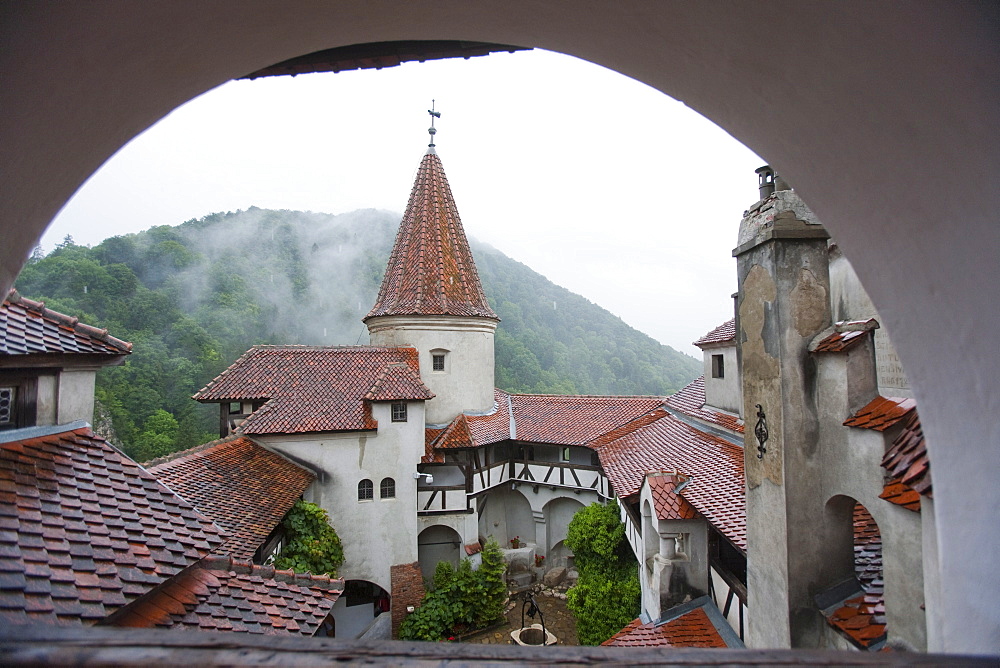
[[358, 612]]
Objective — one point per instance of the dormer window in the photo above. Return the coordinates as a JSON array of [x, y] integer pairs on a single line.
[[399, 412], [718, 366]]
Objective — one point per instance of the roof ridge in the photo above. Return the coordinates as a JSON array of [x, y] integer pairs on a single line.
[[68, 321], [225, 562], [591, 396], [152, 463]]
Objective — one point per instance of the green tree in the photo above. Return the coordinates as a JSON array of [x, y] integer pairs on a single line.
[[607, 594]]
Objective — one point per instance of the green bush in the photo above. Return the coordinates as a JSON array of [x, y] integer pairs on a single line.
[[312, 546], [462, 599], [607, 595]]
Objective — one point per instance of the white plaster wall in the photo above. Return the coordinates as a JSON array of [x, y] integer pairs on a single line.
[[466, 384], [725, 392], [849, 463], [376, 534], [850, 301], [76, 395]]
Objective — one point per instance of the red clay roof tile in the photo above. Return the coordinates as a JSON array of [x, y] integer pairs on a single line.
[[574, 420], [495, 426], [898, 492], [430, 270], [27, 327], [843, 336], [881, 413], [221, 593], [713, 465], [907, 458], [693, 629], [65, 488], [862, 618], [667, 502], [690, 400], [724, 333], [224, 479], [398, 381], [310, 389]]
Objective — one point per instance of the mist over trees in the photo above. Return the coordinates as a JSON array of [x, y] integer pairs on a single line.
[[194, 297]]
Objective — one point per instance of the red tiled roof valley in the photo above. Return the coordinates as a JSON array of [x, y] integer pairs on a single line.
[[27, 327], [84, 530], [225, 594], [430, 269], [245, 488], [690, 400]]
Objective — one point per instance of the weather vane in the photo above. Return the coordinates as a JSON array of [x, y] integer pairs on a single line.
[[431, 130]]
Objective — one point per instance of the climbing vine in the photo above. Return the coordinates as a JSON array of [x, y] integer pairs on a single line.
[[462, 599], [312, 546]]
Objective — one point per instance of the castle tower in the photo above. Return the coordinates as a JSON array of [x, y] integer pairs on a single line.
[[431, 299]]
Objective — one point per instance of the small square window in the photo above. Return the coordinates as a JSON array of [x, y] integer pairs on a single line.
[[399, 412], [565, 454], [718, 366], [235, 408], [437, 362]]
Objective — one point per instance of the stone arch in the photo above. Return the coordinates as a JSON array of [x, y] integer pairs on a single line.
[[356, 609], [435, 544], [875, 166], [505, 513], [650, 535], [557, 513]]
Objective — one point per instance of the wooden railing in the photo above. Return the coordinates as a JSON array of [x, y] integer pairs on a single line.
[[554, 474], [442, 499]]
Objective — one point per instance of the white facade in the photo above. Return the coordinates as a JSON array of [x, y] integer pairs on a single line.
[[467, 381], [376, 533]]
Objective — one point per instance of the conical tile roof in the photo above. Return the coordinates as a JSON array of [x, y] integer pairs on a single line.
[[431, 271]]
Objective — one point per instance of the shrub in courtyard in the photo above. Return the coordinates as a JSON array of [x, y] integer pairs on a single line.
[[606, 596], [312, 546], [462, 599]]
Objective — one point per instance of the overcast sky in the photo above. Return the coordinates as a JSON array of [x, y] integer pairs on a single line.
[[600, 183]]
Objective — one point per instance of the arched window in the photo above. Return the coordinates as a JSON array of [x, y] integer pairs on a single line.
[[387, 488], [366, 490]]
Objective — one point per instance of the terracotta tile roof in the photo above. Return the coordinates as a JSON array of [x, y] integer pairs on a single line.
[[724, 333], [224, 594], [398, 381], [862, 618], [690, 400], [245, 488], [574, 420], [691, 627], [843, 336], [430, 456], [455, 435], [667, 502], [907, 459], [27, 327], [473, 548], [713, 465], [84, 530], [494, 427], [881, 413], [898, 492], [313, 388], [431, 270]]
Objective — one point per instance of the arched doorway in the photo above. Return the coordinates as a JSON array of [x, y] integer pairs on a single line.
[[504, 514], [924, 75], [359, 612], [558, 514], [435, 544]]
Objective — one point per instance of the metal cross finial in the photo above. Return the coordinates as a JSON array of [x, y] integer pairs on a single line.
[[431, 130]]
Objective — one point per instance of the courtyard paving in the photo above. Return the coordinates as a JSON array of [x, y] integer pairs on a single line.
[[558, 621]]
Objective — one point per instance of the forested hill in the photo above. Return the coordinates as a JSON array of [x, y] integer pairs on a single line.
[[194, 297]]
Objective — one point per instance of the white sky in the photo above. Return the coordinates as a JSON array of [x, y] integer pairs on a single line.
[[600, 183]]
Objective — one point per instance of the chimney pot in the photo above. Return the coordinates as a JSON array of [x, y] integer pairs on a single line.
[[765, 184]]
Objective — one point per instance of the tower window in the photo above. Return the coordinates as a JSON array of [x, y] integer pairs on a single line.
[[437, 361], [718, 366], [387, 488], [366, 490], [399, 412]]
